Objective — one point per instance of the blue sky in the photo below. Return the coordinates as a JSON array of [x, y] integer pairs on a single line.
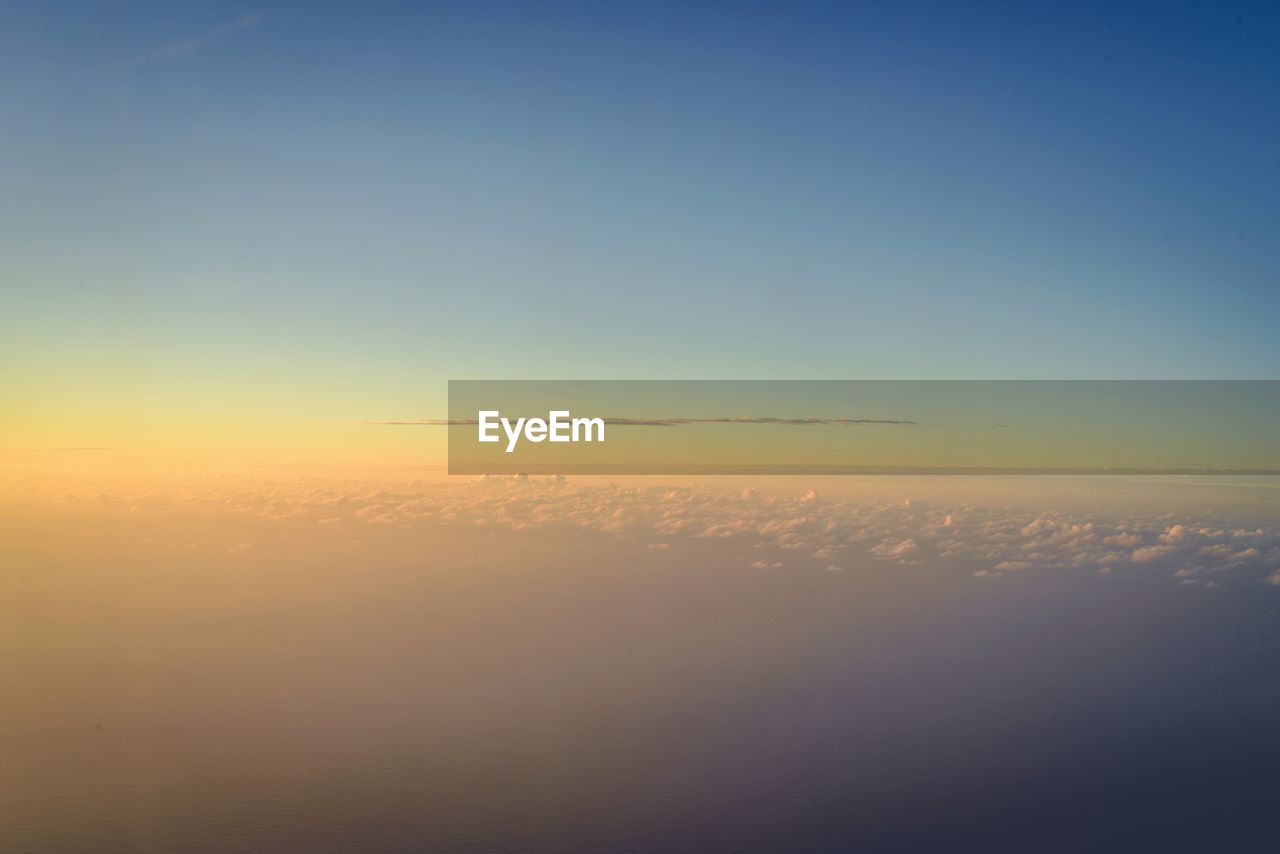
[[367, 201]]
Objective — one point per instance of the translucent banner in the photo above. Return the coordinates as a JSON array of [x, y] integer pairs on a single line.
[[863, 427]]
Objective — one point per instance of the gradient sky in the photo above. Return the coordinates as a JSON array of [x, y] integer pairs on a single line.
[[246, 217]]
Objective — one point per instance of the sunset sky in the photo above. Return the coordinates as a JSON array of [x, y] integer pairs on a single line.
[[232, 230], [246, 248]]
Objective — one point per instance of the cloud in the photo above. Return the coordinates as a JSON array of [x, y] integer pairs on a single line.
[[61, 449], [749, 526], [900, 549], [188, 45], [756, 419], [667, 422]]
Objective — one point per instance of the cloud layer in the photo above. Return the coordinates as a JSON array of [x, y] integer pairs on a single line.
[[772, 531]]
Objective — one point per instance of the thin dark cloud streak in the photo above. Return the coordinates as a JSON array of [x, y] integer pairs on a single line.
[[747, 419], [71, 448], [672, 422]]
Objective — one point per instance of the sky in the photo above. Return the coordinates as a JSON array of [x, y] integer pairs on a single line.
[[533, 665], [239, 220], [245, 245]]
